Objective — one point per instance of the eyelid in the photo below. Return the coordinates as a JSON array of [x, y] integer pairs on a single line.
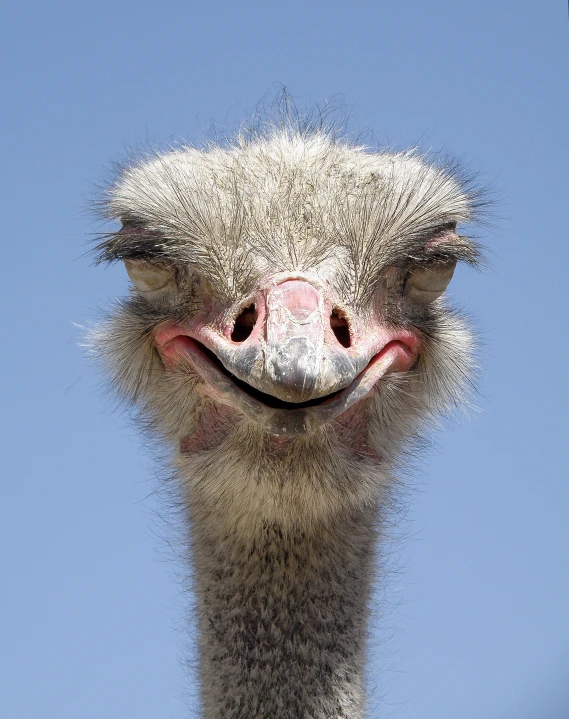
[[149, 277], [426, 283]]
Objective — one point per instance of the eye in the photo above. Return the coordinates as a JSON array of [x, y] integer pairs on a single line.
[[151, 279], [425, 284]]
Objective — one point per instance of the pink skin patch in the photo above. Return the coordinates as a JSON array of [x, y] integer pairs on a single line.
[[214, 423], [292, 350], [350, 429]]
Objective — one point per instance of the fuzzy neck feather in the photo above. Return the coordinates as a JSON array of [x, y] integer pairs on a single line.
[[283, 619]]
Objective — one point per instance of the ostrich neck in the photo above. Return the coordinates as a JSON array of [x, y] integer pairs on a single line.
[[283, 619]]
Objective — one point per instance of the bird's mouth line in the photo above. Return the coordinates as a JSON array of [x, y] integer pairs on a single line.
[[268, 400], [278, 416]]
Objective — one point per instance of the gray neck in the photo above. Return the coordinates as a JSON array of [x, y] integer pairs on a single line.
[[283, 619]]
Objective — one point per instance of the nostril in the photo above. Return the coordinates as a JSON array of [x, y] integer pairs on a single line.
[[244, 323], [340, 327]]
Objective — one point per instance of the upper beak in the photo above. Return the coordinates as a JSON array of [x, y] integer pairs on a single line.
[[292, 352], [299, 362]]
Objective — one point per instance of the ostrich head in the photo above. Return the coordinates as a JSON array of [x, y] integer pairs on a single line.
[[286, 329]]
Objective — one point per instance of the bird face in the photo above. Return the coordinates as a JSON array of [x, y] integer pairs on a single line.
[[285, 284]]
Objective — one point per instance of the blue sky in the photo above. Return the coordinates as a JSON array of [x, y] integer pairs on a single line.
[[91, 615]]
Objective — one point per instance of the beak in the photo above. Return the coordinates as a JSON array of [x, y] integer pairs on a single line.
[[292, 360], [299, 362], [292, 353]]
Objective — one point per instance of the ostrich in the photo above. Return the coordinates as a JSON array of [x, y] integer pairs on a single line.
[[286, 337]]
